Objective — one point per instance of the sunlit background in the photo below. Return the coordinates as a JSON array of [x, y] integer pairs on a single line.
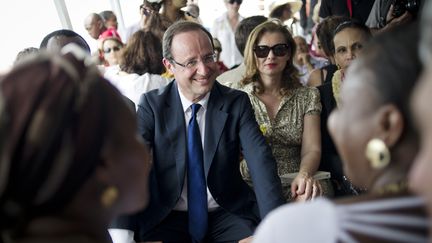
[[24, 23]]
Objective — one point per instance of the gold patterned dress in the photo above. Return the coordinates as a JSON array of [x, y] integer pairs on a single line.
[[284, 134]]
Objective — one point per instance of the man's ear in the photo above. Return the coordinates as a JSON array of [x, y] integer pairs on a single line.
[[168, 65], [391, 124]]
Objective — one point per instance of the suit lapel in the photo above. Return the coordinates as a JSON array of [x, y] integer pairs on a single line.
[[175, 129], [215, 122]]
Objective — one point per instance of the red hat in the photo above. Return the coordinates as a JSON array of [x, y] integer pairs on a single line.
[[109, 34]]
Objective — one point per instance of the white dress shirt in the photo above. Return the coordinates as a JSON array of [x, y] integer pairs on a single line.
[[182, 202]]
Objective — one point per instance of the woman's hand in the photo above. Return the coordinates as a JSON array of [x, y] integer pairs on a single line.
[[304, 187]]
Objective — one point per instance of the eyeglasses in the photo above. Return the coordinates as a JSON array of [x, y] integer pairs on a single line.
[[235, 1], [192, 64], [114, 49], [146, 11], [279, 50]]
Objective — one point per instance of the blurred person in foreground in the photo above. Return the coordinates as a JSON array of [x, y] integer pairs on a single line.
[[374, 133], [420, 175], [70, 156]]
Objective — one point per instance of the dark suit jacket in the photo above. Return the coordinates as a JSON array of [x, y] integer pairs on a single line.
[[230, 127]]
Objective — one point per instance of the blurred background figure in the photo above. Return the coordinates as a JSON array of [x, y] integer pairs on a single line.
[[171, 9], [375, 136], [324, 33], [358, 10], [69, 140], [241, 35], [287, 112], [94, 25], [306, 16], [303, 61], [192, 11], [109, 18], [150, 20], [140, 66], [386, 14], [223, 29], [110, 47], [284, 10], [218, 51]]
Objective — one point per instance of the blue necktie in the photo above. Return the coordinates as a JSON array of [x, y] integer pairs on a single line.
[[197, 189]]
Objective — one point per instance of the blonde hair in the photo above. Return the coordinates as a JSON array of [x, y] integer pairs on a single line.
[[290, 73]]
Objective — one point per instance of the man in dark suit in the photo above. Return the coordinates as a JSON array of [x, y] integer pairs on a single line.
[[227, 126]]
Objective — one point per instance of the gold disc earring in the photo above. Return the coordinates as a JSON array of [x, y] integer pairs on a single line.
[[109, 196], [377, 153]]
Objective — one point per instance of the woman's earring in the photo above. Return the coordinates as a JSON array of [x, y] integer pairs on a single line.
[[377, 153], [338, 66], [109, 196]]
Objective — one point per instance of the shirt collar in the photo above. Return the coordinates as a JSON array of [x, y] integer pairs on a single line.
[[187, 103]]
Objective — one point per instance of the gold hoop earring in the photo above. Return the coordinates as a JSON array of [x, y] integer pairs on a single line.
[[109, 196], [377, 153]]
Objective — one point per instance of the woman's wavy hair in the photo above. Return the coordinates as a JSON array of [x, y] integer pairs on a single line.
[[252, 75], [142, 54]]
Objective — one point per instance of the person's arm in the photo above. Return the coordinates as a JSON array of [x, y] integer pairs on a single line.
[[392, 22], [145, 120], [373, 20], [316, 77], [310, 158], [260, 161]]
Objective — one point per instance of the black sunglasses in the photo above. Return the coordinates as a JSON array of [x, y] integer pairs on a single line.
[[235, 1], [114, 49], [279, 50]]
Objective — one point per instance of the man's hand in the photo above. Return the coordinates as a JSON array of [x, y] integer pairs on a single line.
[[391, 21], [246, 240]]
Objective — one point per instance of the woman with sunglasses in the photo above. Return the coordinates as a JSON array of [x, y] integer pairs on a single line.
[[110, 47], [287, 112]]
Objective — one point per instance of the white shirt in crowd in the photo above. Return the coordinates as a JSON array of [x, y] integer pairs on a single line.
[[222, 30], [133, 85]]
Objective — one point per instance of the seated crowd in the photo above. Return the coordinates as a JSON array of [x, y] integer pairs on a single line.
[[243, 133]]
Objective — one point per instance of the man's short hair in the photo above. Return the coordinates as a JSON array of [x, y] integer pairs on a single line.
[[244, 28], [64, 32], [177, 28]]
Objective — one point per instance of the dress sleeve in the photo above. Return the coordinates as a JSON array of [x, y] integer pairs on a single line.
[[313, 103]]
